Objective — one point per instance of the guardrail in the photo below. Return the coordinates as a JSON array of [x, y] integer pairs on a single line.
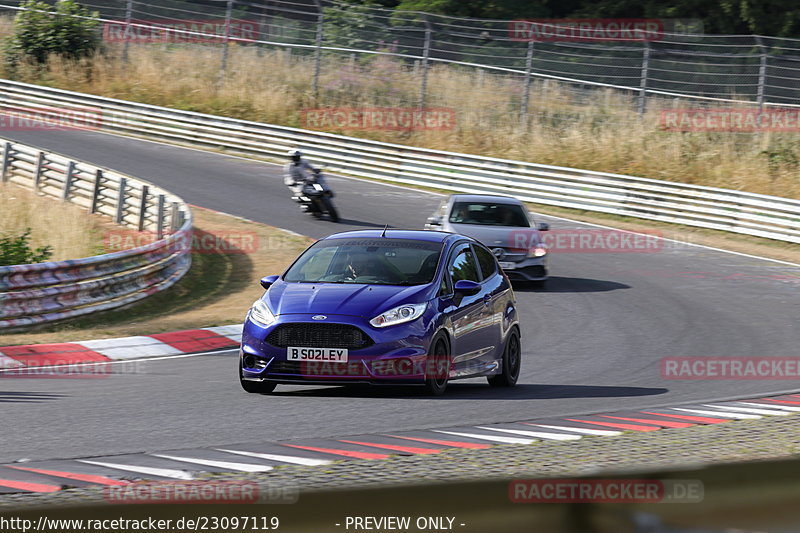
[[708, 207], [44, 292]]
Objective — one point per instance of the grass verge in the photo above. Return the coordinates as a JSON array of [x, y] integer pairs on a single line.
[[230, 256]]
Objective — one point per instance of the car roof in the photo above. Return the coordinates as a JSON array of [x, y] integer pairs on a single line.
[[485, 198], [419, 235]]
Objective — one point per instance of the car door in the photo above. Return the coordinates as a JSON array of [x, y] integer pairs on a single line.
[[472, 334], [494, 289]]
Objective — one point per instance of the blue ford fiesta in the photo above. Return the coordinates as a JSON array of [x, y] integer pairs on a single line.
[[390, 307]]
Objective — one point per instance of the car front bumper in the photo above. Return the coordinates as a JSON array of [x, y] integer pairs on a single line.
[[398, 354]]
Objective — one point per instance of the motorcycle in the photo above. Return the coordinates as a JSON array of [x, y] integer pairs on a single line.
[[315, 197]]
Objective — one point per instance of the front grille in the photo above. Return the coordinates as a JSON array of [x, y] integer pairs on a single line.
[[319, 336]]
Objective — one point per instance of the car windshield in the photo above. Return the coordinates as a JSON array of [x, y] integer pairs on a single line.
[[379, 261], [489, 214]]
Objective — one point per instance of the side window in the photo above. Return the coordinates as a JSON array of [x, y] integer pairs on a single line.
[[486, 260], [445, 288], [464, 266]]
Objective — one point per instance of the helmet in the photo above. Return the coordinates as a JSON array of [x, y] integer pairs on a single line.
[[295, 155]]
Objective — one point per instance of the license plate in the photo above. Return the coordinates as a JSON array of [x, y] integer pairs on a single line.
[[337, 355], [507, 265]]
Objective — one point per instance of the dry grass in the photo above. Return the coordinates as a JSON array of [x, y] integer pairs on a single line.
[[597, 130], [218, 290], [64, 226]]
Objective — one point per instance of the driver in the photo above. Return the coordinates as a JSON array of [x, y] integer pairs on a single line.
[[297, 172]]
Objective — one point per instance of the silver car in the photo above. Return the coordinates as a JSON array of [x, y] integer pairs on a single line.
[[502, 224]]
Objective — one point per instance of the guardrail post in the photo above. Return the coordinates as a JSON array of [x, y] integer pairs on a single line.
[[120, 214], [127, 33], [762, 77], [318, 48], [143, 207], [426, 52], [528, 80], [37, 171], [6, 161], [173, 216], [226, 40], [98, 179], [160, 217], [643, 82], [68, 177]]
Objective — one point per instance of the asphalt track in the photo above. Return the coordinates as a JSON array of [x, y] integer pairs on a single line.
[[592, 340]]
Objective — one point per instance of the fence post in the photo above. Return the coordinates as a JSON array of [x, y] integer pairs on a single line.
[[643, 82], [174, 223], [127, 33], [160, 217], [762, 78], [6, 161], [120, 214], [143, 207], [528, 81], [98, 179], [426, 52], [225, 41], [37, 171], [68, 181], [318, 48]]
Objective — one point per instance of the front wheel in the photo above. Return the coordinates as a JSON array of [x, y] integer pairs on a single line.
[[511, 363], [437, 367], [328, 205]]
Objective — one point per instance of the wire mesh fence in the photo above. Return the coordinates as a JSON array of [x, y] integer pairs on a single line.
[[672, 61]]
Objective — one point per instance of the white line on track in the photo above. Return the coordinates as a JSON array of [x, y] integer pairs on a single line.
[[603, 432], [124, 362], [161, 472], [763, 411], [241, 467], [718, 414], [537, 434], [280, 458], [492, 438], [770, 406]]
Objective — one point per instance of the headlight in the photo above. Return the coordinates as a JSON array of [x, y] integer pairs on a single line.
[[261, 314], [539, 251], [399, 315]]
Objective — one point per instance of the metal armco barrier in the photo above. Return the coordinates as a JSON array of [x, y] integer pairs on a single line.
[[44, 292], [708, 207]]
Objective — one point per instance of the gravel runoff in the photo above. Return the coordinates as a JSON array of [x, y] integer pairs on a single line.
[[774, 437]]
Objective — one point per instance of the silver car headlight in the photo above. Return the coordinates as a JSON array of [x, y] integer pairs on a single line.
[[538, 251], [260, 313], [399, 315]]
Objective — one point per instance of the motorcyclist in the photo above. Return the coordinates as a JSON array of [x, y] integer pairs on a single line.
[[298, 174]]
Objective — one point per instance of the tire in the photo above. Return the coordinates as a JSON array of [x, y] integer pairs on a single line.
[[512, 360], [256, 387], [437, 366], [327, 204]]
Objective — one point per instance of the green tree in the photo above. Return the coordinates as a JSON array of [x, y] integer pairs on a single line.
[[17, 250], [67, 29]]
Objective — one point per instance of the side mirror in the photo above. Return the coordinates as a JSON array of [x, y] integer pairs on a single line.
[[543, 226], [268, 281], [466, 287], [435, 220]]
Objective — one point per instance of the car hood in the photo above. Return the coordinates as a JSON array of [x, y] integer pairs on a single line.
[[499, 236], [341, 298]]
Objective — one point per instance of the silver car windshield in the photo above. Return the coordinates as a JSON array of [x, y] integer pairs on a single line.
[[489, 214], [381, 261]]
